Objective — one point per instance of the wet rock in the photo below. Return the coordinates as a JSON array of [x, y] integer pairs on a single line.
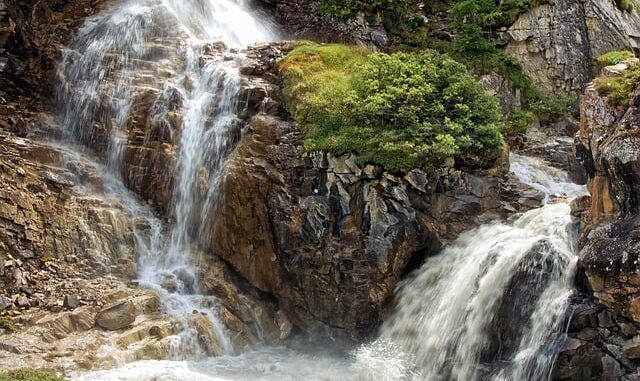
[[207, 334], [117, 316]]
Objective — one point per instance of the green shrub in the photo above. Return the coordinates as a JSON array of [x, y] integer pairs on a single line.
[[626, 5], [7, 324], [518, 123], [614, 58], [28, 375], [401, 110], [552, 107], [618, 89]]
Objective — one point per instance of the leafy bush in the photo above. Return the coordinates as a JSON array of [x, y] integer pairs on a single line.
[[614, 58], [401, 110], [518, 123], [28, 375], [554, 106], [618, 89]]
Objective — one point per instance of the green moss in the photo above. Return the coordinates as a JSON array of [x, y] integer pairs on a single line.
[[28, 375], [614, 58], [618, 89], [400, 110]]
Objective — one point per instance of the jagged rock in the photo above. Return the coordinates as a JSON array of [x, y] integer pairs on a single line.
[[117, 316], [329, 239], [632, 348], [607, 148]]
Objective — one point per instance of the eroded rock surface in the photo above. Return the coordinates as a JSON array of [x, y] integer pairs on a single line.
[[604, 329], [557, 42]]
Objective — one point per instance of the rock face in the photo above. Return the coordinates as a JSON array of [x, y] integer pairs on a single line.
[[302, 19], [557, 42], [31, 34], [331, 239], [608, 148]]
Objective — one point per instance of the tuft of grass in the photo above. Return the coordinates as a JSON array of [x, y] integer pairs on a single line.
[[7, 324], [619, 89], [400, 110], [28, 375], [614, 57]]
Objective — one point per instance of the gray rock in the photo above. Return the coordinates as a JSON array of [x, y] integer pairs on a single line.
[[71, 301], [5, 303]]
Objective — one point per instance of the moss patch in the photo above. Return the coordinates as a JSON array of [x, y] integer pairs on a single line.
[[28, 375]]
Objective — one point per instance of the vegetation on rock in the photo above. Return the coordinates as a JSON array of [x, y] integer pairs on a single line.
[[614, 57], [7, 324], [618, 89], [28, 375], [400, 110]]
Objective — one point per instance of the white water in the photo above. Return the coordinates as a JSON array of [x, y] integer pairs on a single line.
[[446, 313], [161, 45]]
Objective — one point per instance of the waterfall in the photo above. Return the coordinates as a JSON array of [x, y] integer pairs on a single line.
[[492, 304], [170, 48]]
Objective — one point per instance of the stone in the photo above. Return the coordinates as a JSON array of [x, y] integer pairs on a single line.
[[5, 303], [22, 302], [71, 301], [117, 316], [631, 348]]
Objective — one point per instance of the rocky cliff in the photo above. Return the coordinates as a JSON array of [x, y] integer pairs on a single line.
[[557, 42], [604, 340]]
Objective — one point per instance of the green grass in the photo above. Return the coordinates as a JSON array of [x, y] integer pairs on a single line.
[[28, 375], [400, 110], [618, 89], [7, 324], [614, 58]]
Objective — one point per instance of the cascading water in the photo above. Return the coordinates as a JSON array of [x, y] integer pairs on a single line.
[[489, 306], [165, 45]]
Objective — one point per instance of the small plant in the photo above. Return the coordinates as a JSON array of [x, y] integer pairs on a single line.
[[518, 123], [28, 375], [614, 58], [7, 324], [618, 89], [552, 107]]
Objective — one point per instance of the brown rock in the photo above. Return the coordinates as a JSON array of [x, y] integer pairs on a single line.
[[117, 316]]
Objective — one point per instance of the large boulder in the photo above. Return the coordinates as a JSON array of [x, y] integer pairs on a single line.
[[117, 316], [330, 239]]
